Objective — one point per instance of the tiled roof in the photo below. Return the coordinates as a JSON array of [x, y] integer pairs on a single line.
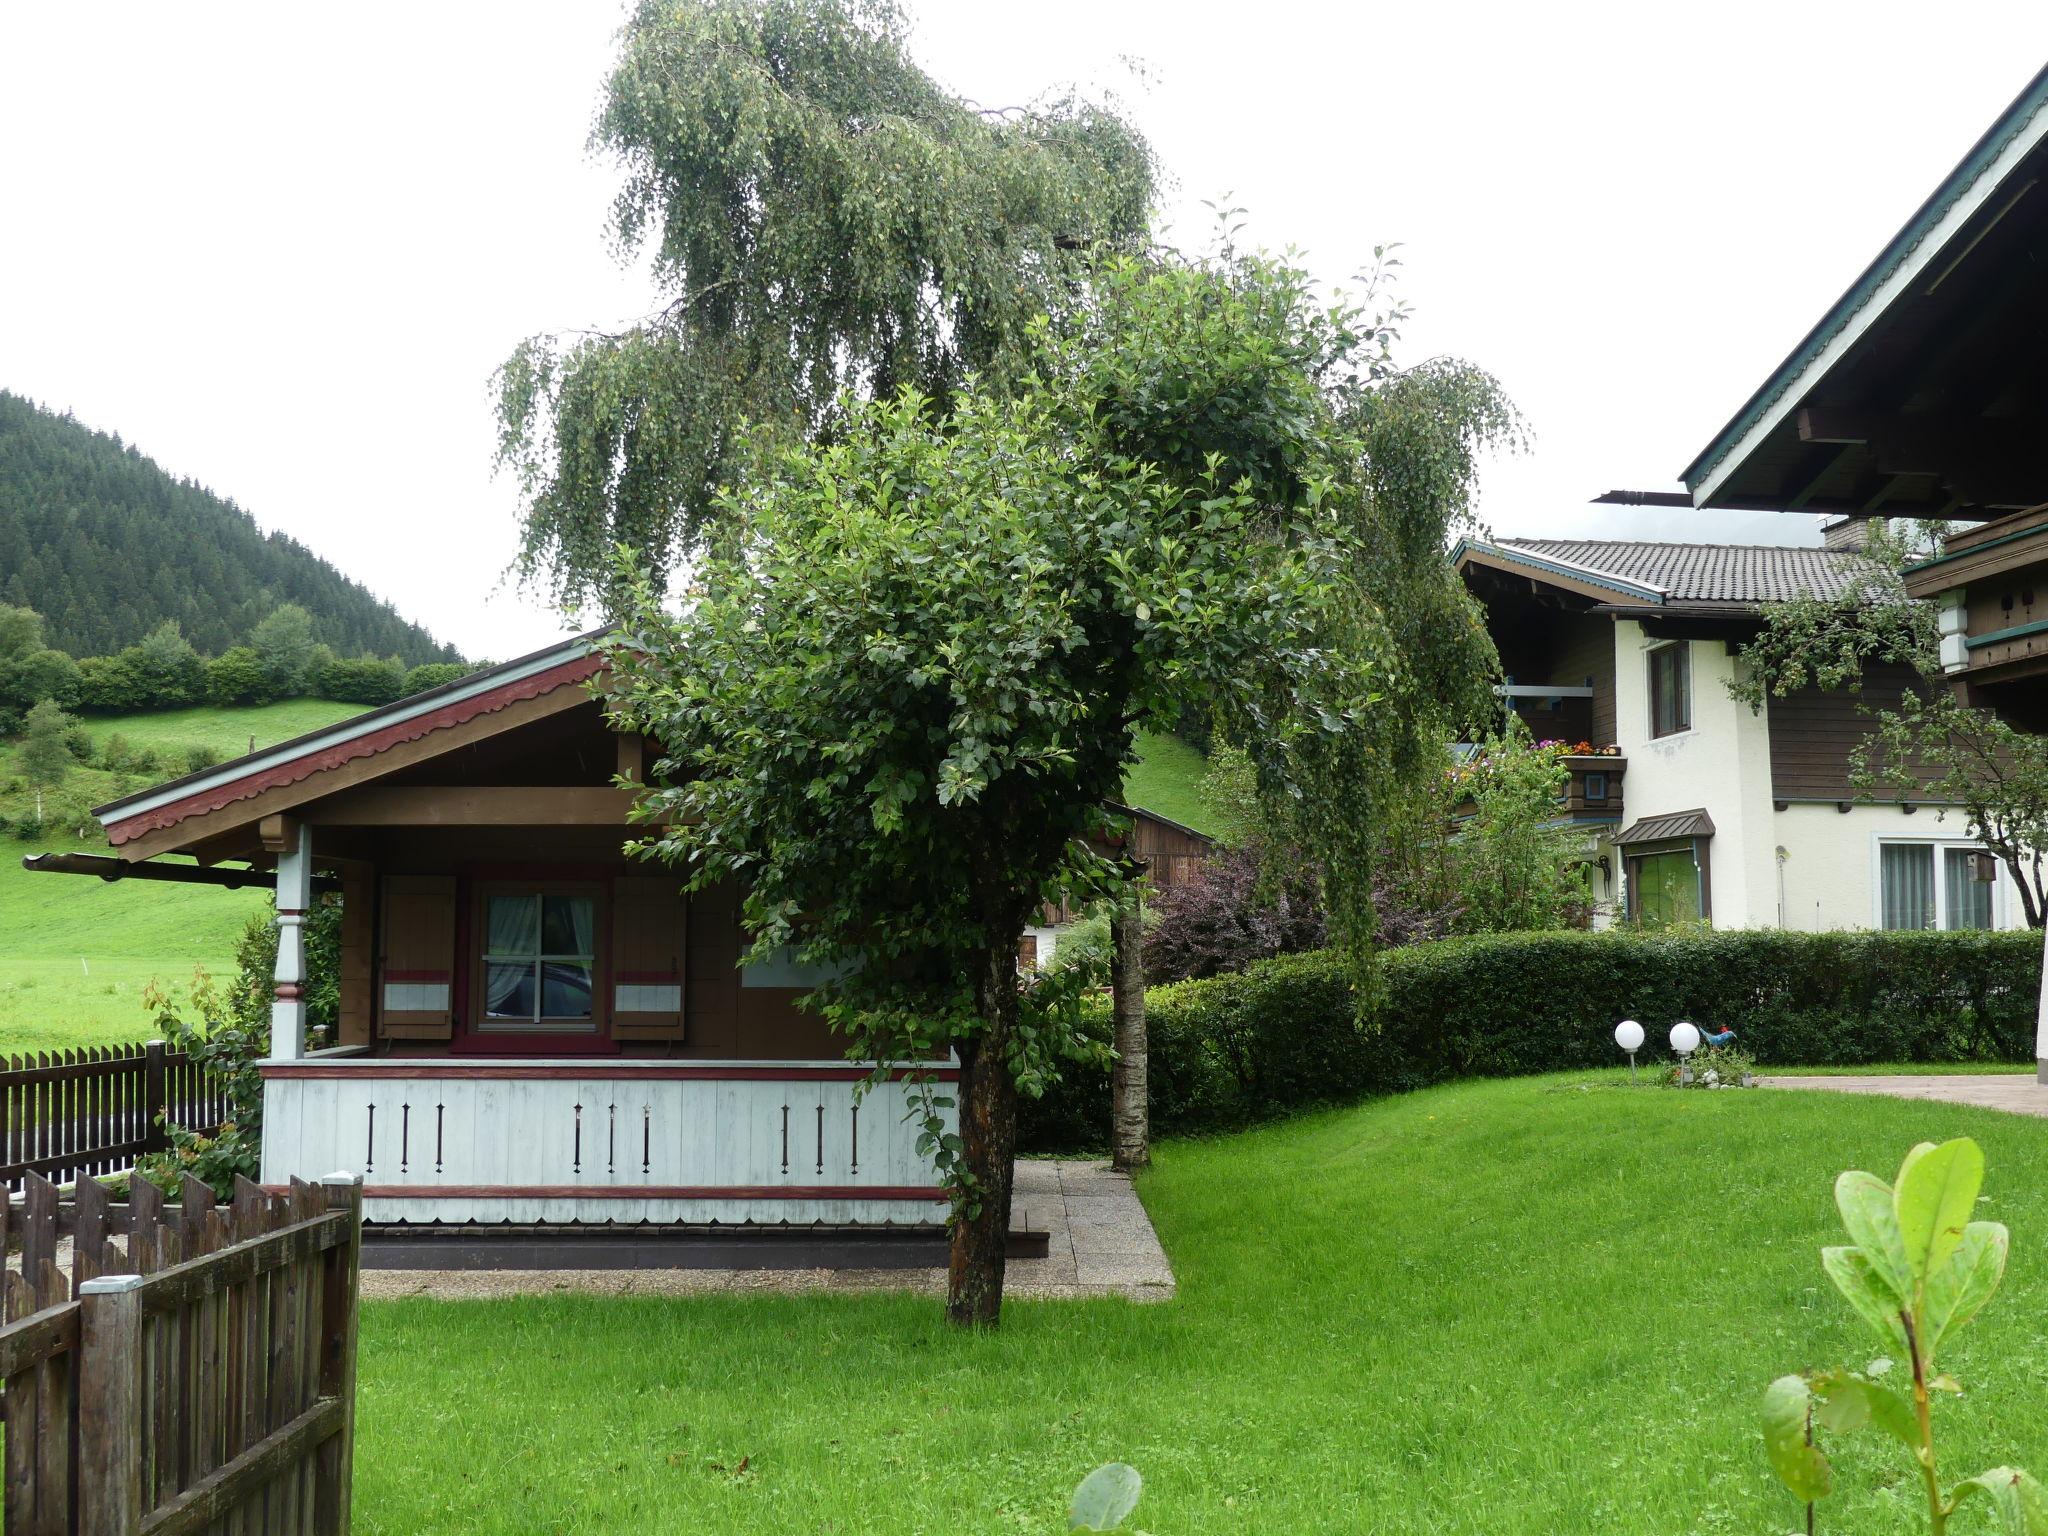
[[1710, 573]]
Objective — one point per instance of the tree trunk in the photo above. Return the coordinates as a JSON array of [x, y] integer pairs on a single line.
[[1130, 1110], [988, 1137]]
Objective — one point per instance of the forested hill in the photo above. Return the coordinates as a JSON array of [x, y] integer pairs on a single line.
[[106, 546]]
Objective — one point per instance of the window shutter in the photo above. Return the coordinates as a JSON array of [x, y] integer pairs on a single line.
[[650, 927], [416, 979]]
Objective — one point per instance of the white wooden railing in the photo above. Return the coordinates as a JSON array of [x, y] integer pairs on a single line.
[[605, 1141]]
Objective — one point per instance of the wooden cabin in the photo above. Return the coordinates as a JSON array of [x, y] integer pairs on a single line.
[[533, 1028]]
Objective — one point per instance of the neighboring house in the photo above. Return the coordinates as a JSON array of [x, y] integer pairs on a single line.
[[1172, 855], [1919, 393], [533, 1027], [1694, 806]]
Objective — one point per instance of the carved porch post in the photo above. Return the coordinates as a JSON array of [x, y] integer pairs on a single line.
[[292, 842]]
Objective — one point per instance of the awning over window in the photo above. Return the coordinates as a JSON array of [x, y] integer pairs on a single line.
[[1664, 829]]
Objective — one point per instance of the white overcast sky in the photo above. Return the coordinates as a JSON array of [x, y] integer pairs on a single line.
[[282, 247]]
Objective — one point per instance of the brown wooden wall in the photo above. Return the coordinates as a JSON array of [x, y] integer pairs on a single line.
[[1813, 733], [1585, 648], [721, 1017]]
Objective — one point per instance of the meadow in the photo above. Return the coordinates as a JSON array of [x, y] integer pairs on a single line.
[[76, 954], [1512, 1308]]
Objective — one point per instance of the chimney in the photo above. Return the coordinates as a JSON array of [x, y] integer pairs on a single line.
[[1847, 533]]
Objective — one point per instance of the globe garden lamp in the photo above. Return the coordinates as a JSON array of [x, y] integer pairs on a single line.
[[1685, 1039], [1628, 1034]]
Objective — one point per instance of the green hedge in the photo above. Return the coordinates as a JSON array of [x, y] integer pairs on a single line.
[[1281, 1035]]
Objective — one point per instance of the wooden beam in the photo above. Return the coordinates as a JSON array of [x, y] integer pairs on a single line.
[[474, 805], [245, 813], [278, 834]]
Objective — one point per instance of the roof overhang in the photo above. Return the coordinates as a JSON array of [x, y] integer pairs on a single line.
[[1912, 396], [1565, 575], [149, 822], [1675, 827]]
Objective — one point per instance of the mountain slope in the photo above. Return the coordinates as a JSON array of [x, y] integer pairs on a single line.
[[106, 546]]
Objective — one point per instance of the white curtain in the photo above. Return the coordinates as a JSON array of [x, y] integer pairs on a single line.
[[1969, 899], [582, 914], [515, 932], [1906, 875]]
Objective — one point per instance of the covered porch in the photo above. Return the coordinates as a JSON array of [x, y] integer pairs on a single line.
[[529, 1026]]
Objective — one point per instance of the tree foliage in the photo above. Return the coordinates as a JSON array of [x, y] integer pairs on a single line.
[[823, 218]]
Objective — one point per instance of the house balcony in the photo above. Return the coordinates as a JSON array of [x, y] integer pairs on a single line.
[[621, 1141], [1593, 794]]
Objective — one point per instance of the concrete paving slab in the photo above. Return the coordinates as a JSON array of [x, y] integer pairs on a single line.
[[2016, 1093], [1100, 1243]]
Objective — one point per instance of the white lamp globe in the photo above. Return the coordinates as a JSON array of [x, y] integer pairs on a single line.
[[1685, 1038], [1628, 1034]]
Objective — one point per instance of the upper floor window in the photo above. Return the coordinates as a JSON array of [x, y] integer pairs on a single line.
[[1671, 689]]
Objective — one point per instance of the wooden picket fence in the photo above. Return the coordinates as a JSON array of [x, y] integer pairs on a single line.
[[81, 1113], [194, 1371]]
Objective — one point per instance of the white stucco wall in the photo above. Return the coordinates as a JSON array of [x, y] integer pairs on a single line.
[[1807, 867], [1720, 765], [1830, 863]]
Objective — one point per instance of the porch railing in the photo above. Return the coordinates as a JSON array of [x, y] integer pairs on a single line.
[[82, 1113]]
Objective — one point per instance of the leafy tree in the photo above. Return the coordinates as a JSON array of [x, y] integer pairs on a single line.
[[45, 757], [167, 671], [899, 704], [108, 682], [36, 675], [236, 676], [286, 650], [1515, 867], [823, 217], [434, 674], [1927, 745], [21, 631], [362, 679]]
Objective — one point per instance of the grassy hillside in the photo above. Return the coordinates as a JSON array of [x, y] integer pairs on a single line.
[[227, 730], [75, 954], [1168, 780]]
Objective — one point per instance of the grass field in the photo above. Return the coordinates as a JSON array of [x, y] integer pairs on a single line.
[[75, 954], [1513, 1308], [1168, 780]]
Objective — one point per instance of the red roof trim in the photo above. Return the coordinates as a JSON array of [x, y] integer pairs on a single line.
[[369, 745]]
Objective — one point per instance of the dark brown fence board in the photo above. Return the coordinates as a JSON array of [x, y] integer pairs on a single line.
[[206, 1384], [85, 1113]]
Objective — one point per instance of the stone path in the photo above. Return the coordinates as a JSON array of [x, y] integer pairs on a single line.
[[2016, 1092], [1101, 1244]]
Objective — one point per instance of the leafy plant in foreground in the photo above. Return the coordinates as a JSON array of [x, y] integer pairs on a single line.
[[1105, 1498], [1916, 1269]]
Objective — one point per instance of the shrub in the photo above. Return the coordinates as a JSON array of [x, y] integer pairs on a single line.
[[200, 756], [1283, 1035], [434, 674]]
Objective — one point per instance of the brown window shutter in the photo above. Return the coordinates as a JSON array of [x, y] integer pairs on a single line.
[[416, 976], [650, 932]]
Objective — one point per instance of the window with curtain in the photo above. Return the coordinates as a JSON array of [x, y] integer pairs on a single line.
[[1968, 898], [1906, 884], [1671, 689], [540, 958], [1664, 887], [1928, 885]]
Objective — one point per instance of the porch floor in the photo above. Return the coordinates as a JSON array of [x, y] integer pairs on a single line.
[[1101, 1243]]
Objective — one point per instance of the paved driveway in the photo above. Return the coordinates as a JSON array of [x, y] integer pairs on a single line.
[[2016, 1092]]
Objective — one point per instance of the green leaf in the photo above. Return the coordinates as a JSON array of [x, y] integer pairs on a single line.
[[1961, 1286], [2021, 1502], [1849, 1402], [1934, 1198], [1105, 1498], [1857, 1279], [1800, 1466], [1865, 1202]]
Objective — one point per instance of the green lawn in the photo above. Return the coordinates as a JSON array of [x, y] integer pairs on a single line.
[[1168, 780], [75, 954], [1546, 1306]]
